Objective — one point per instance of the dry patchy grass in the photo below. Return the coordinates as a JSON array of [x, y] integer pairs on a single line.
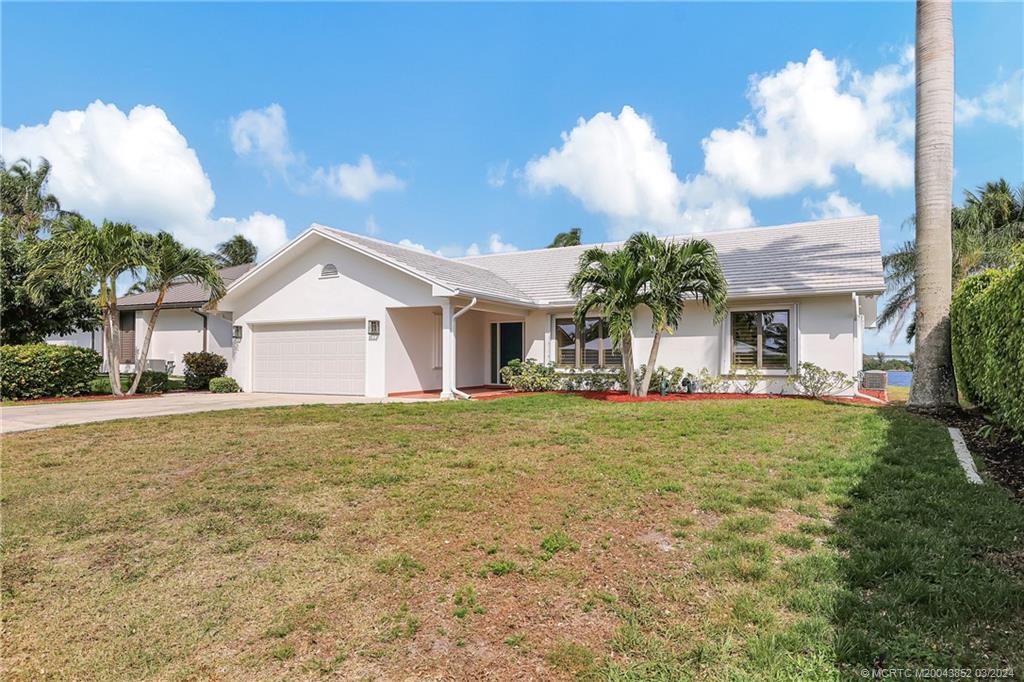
[[542, 537]]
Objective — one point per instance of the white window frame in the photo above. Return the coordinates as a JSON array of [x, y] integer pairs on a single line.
[[578, 364], [794, 336]]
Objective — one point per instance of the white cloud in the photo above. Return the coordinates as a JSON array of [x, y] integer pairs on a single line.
[[262, 135], [267, 232], [134, 167], [614, 165], [372, 227], [618, 166], [497, 174], [808, 120], [812, 118], [834, 205], [1001, 103], [495, 244], [356, 182], [416, 245]]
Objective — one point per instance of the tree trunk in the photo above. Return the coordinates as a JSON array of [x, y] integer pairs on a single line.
[[108, 342], [114, 352], [140, 365], [652, 361], [933, 386], [627, 363]]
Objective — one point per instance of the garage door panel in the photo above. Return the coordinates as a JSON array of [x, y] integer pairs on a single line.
[[326, 358]]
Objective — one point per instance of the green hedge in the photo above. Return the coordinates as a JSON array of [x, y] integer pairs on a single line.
[[987, 320], [151, 382], [41, 370]]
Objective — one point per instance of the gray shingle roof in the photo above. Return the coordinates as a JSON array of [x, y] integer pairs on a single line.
[[823, 256], [184, 295], [455, 274]]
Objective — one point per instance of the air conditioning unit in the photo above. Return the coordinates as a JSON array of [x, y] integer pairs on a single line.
[[875, 380]]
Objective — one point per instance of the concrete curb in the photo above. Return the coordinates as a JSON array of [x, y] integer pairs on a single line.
[[963, 455]]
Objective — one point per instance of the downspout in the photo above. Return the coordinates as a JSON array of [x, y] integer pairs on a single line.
[[856, 329], [456, 316], [206, 325]]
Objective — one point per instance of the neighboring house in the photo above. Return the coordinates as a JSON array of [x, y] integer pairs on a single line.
[[337, 312], [183, 326]]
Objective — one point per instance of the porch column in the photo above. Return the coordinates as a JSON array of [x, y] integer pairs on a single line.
[[447, 351]]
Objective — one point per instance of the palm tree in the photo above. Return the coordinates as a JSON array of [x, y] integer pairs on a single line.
[[92, 258], [984, 231], [933, 385], [25, 203], [676, 271], [235, 251], [613, 281], [168, 262], [141, 286], [571, 238]]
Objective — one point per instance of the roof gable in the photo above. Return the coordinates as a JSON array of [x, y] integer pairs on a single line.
[[183, 294]]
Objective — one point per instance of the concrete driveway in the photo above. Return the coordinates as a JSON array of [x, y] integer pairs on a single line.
[[33, 417]]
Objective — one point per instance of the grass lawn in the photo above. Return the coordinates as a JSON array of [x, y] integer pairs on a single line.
[[898, 394], [542, 537]]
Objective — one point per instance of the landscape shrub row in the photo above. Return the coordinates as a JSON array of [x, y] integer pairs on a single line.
[[41, 370], [987, 318], [808, 379]]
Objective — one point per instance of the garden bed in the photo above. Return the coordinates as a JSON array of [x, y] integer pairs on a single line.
[[622, 397], [1003, 456]]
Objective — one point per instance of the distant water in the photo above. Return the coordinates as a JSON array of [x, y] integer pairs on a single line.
[[900, 378]]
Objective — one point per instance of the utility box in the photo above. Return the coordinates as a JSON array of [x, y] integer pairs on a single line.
[[875, 380]]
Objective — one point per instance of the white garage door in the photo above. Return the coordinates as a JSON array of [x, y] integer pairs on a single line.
[[321, 357]]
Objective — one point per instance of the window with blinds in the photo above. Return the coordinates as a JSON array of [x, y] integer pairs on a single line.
[[760, 339], [586, 347]]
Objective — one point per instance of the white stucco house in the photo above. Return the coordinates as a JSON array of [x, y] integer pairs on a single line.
[[184, 325], [334, 312]]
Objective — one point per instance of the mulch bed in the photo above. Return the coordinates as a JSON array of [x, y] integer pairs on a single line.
[[620, 397], [83, 398], [1003, 456]]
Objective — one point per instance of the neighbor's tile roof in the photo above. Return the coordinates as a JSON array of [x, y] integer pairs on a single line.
[[182, 295], [455, 274], [836, 255]]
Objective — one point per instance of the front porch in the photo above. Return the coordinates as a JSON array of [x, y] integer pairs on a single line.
[[455, 349], [474, 392]]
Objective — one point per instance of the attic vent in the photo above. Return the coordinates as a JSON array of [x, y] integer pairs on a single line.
[[329, 270]]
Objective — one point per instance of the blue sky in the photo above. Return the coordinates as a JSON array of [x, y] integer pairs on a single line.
[[442, 124]]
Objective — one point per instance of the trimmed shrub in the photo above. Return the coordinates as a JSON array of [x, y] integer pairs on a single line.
[[152, 382], [817, 382], [223, 385], [987, 325], [201, 367], [708, 382], [41, 370], [747, 380], [530, 376]]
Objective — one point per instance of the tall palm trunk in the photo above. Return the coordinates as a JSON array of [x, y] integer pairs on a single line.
[[140, 365], [934, 386], [627, 363], [114, 348], [652, 362]]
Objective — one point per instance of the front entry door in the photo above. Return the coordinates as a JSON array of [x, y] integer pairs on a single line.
[[506, 346]]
